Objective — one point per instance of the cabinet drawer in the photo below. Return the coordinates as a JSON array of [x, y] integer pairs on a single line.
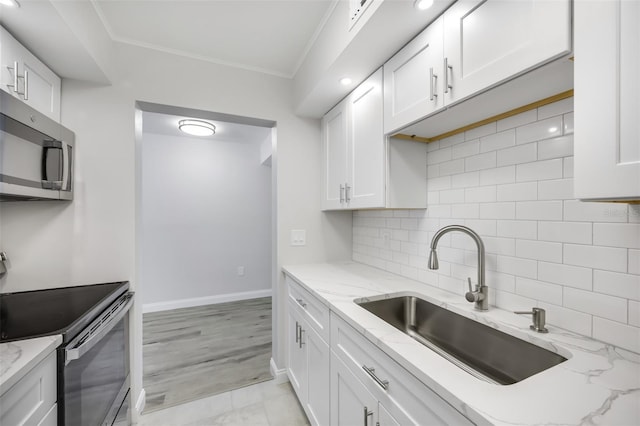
[[405, 396], [29, 401], [316, 313]]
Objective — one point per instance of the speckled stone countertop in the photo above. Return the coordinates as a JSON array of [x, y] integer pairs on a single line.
[[599, 384], [19, 357]]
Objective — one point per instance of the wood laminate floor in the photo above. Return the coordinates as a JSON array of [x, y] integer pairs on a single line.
[[193, 353]]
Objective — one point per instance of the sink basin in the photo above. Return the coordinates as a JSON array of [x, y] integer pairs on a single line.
[[482, 351]]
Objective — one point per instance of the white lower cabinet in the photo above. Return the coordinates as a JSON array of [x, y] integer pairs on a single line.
[[32, 401]]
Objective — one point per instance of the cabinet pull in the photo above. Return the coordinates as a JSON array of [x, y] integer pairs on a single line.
[[297, 327], [433, 78], [14, 86], [367, 413], [341, 194], [384, 384], [301, 303], [347, 191], [447, 67], [26, 85], [301, 342]]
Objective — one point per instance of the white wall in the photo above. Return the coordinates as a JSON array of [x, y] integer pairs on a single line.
[[93, 239], [512, 182], [206, 210]]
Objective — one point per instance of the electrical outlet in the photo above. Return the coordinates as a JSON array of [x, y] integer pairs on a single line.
[[385, 234], [298, 237], [241, 271]]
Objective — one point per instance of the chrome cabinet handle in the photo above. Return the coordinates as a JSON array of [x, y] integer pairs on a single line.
[[297, 327], [301, 303], [433, 78], [301, 342], [447, 67], [367, 413], [26, 85], [341, 194], [384, 384], [347, 191], [14, 86]]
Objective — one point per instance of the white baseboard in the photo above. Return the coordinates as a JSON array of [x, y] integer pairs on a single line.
[[201, 301], [279, 375], [141, 401]]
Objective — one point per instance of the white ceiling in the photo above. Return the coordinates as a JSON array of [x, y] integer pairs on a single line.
[[166, 124], [270, 36]]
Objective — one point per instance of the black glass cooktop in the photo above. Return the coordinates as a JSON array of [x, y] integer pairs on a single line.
[[63, 311]]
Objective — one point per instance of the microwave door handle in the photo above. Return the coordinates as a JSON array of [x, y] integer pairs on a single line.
[[75, 351], [65, 166], [46, 182]]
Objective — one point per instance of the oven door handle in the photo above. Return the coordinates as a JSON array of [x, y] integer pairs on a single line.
[[77, 349]]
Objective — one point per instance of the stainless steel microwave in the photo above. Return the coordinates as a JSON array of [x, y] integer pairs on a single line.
[[36, 154]]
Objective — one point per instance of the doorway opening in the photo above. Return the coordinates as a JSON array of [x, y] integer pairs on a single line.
[[205, 238]]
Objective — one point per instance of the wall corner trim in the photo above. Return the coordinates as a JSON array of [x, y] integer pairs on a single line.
[[207, 300]]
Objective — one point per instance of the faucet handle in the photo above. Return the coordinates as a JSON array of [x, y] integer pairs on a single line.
[[473, 295], [538, 317]]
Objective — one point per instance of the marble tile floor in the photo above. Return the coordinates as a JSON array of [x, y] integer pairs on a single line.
[[262, 404]]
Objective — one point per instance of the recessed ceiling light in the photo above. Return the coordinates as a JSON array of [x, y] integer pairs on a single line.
[[553, 129], [345, 81], [196, 127], [423, 4], [9, 3]]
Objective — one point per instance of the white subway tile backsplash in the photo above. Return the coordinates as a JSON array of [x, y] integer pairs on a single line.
[[478, 132], [512, 182], [499, 175], [498, 141], [452, 167], [439, 156], [555, 148], [557, 108], [617, 234], [527, 229], [480, 194], [579, 211], [498, 211], [539, 250], [565, 232], [466, 149], [601, 305], [517, 155], [480, 162], [517, 120], [517, 266], [634, 262], [616, 284], [607, 258], [539, 210], [517, 191], [622, 335], [539, 170], [556, 189], [539, 130], [545, 292], [566, 275]]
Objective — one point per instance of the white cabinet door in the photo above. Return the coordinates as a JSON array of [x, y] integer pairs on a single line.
[[27, 78], [606, 102], [334, 134], [351, 403], [297, 360], [386, 419], [318, 366], [487, 42], [366, 171], [413, 79]]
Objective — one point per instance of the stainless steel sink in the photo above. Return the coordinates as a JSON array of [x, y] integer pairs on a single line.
[[480, 350]]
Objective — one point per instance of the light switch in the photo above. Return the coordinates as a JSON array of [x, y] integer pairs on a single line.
[[298, 237]]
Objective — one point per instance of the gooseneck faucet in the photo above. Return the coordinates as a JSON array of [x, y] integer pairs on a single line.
[[479, 296]]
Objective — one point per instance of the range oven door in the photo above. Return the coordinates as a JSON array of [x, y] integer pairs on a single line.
[[94, 381]]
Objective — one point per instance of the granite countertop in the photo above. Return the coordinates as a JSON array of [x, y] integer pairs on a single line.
[[19, 357], [598, 384]]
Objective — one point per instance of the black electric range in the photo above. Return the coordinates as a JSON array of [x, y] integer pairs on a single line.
[[93, 359]]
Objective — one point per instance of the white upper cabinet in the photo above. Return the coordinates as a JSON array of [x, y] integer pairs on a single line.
[[413, 79], [361, 167], [487, 42], [475, 45], [606, 102], [27, 78]]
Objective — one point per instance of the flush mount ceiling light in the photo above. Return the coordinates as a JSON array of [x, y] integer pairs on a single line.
[[9, 3], [423, 4], [345, 81], [195, 127]]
